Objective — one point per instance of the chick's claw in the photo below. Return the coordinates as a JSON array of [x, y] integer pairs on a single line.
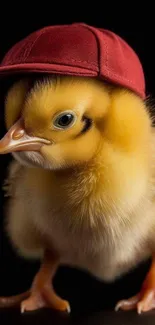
[[128, 304], [32, 303], [54, 301], [142, 302]]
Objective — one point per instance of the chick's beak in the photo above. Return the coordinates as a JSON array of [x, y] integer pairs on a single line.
[[16, 139]]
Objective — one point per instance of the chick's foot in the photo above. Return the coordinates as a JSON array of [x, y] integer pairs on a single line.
[[44, 297], [145, 300], [41, 293]]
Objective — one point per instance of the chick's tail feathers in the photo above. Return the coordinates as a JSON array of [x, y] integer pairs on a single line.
[[13, 301]]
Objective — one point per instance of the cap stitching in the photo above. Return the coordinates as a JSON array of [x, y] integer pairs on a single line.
[[90, 73], [78, 61], [32, 45], [66, 60], [97, 41], [112, 71], [109, 70]]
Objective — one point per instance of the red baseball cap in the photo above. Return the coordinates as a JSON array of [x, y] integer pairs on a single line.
[[77, 49]]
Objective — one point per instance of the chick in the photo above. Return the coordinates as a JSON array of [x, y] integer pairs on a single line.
[[81, 184]]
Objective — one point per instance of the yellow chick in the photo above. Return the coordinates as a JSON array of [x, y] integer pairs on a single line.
[[81, 184]]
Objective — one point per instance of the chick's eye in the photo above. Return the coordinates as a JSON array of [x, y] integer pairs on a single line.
[[64, 120]]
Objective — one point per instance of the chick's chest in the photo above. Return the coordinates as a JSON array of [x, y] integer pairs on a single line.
[[104, 252]]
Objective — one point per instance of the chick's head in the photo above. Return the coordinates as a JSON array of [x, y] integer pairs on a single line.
[[53, 123], [59, 122]]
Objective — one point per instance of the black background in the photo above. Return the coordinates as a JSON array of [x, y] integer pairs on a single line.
[[85, 294]]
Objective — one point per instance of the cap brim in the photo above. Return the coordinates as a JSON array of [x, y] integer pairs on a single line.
[[49, 68], [46, 68]]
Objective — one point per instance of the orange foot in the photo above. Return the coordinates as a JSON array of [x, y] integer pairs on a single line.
[[145, 300], [44, 297], [41, 293]]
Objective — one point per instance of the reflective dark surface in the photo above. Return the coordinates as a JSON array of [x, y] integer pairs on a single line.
[[100, 318]]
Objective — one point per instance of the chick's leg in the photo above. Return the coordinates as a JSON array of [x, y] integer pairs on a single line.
[[145, 300], [42, 293]]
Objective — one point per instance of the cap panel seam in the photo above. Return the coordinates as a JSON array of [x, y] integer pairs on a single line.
[[33, 44], [109, 70], [97, 41]]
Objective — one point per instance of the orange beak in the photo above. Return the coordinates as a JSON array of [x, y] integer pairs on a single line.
[[16, 139]]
